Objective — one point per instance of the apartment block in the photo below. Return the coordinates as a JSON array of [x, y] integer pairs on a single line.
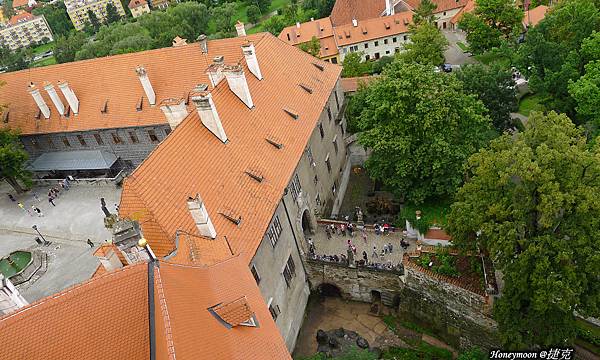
[[78, 10], [24, 30]]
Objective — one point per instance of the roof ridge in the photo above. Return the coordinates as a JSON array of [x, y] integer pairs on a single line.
[[200, 266], [164, 311]]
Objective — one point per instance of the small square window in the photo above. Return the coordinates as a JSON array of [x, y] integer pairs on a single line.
[[366, 45], [81, 140], [66, 141], [394, 39], [116, 138], [376, 43], [321, 131], [405, 37], [152, 136], [133, 137], [385, 41], [99, 139]]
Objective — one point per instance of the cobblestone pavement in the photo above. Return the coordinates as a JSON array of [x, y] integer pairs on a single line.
[[338, 244]]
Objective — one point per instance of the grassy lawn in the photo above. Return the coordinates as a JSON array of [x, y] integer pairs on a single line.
[[462, 46], [43, 48], [278, 4], [492, 57], [530, 103], [45, 62]]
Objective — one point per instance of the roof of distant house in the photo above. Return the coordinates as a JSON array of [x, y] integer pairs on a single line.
[[345, 10], [185, 163], [534, 16], [437, 234], [372, 29], [114, 309], [352, 84], [19, 3], [136, 3], [21, 17], [304, 32], [469, 7], [442, 5]]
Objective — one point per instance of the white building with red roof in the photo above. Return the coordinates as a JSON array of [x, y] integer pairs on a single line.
[[25, 29]]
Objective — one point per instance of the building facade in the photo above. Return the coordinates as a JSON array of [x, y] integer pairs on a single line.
[[138, 7], [24, 30], [78, 10]]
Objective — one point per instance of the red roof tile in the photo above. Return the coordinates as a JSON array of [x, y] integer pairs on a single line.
[[345, 10], [373, 28], [534, 16], [21, 17], [136, 3], [19, 3], [352, 84], [320, 28]]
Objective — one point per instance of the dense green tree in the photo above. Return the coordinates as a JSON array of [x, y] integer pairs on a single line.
[[262, 5], [586, 92], [275, 24], [13, 159], [424, 13], [353, 65], [18, 59], [191, 18], [490, 23], [56, 16], [378, 66], [253, 13], [93, 20], [223, 16], [427, 45], [66, 47], [421, 128], [473, 354], [112, 14], [531, 202], [495, 87], [312, 47], [322, 7], [163, 27], [111, 40]]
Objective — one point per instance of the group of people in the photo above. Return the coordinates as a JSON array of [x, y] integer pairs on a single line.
[[340, 229], [53, 194], [343, 259], [383, 229]]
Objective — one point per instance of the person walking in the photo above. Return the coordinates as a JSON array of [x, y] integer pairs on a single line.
[[37, 211], [375, 254], [343, 229], [364, 235], [351, 229], [20, 204], [364, 254], [328, 232], [390, 247], [12, 198], [51, 199], [385, 248]]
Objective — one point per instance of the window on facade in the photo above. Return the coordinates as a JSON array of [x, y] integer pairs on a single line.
[[318, 200], [397, 50], [81, 140], [366, 45], [35, 143], [99, 140], [376, 55], [367, 57], [328, 163], [321, 130], [310, 156], [335, 144], [167, 131], [387, 52], [337, 100], [152, 136], [385, 41], [274, 231], [376, 43], [66, 141], [334, 60], [116, 138], [295, 187], [133, 137], [394, 39], [329, 113], [316, 179], [444, 13], [333, 188], [255, 274], [405, 37], [274, 310], [289, 271], [51, 144]]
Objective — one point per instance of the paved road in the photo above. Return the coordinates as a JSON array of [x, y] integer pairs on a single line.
[[454, 55]]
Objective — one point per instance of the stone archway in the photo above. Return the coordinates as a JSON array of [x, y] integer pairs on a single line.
[[329, 290], [306, 222]]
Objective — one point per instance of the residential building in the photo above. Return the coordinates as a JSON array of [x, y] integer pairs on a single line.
[[255, 156], [162, 4], [23, 4], [78, 10], [138, 7], [377, 37], [468, 8], [303, 33], [25, 30]]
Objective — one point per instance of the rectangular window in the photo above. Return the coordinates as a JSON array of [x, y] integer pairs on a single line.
[[66, 141], [329, 113], [376, 55], [328, 163], [81, 140], [337, 100], [366, 45], [133, 137], [255, 274], [316, 179], [295, 187], [394, 39], [387, 52], [51, 144], [376, 43], [116, 138], [334, 188], [289, 271], [334, 60], [99, 139], [335, 144], [367, 57], [385, 41], [167, 131], [318, 200], [309, 155], [274, 231], [274, 310], [405, 37], [321, 130], [152, 136]]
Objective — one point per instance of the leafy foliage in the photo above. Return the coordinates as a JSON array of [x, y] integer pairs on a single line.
[[312, 47], [421, 128], [94, 23], [495, 87], [323, 7], [253, 13], [15, 60], [353, 65], [427, 45], [424, 12], [533, 197], [472, 354], [13, 159], [66, 47], [223, 16], [56, 16], [112, 15], [586, 92]]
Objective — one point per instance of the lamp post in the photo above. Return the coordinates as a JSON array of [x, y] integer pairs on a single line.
[[46, 242]]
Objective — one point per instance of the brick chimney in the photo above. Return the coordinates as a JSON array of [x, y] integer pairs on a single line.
[[69, 95], [39, 100], [239, 27], [108, 256], [175, 111], [238, 84], [201, 217], [55, 98], [143, 75], [389, 7], [127, 236], [10, 298], [251, 60], [207, 111], [215, 70], [203, 43]]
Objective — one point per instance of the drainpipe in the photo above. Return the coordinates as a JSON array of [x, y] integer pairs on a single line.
[[294, 234]]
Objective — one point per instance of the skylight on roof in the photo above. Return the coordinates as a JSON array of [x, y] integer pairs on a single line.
[[230, 215], [276, 143], [319, 66], [306, 88], [291, 113]]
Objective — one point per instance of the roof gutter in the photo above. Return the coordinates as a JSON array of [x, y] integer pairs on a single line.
[[151, 309]]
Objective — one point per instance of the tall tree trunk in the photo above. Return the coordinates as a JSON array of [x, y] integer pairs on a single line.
[[15, 184]]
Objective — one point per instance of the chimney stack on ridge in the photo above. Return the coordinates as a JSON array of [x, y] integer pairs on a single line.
[[143, 75], [175, 111], [239, 27], [207, 111], [201, 217], [39, 100], [203, 43], [251, 60], [69, 95], [238, 84], [60, 107], [215, 70]]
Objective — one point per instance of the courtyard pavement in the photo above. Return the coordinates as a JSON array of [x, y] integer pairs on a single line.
[[76, 218], [454, 54], [338, 244]]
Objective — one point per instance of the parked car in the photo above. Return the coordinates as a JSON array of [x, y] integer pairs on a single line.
[[446, 68]]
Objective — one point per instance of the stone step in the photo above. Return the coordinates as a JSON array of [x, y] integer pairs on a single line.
[[387, 298]]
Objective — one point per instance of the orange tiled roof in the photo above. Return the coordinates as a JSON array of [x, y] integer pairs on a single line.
[[320, 28], [173, 72], [352, 84], [136, 3], [186, 329], [345, 10], [235, 312], [23, 16], [79, 322], [186, 164], [373, 28], [442, 5], [534, 16], [437, 234], [469, 7], [19, 3], [328, 47]]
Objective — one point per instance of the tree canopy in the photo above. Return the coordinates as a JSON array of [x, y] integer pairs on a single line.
[[112, 14], [421, 128], [427, 45], [424, 12], [532, 198], [56, 16], [12, 160], [495, 87], [312, 47]]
